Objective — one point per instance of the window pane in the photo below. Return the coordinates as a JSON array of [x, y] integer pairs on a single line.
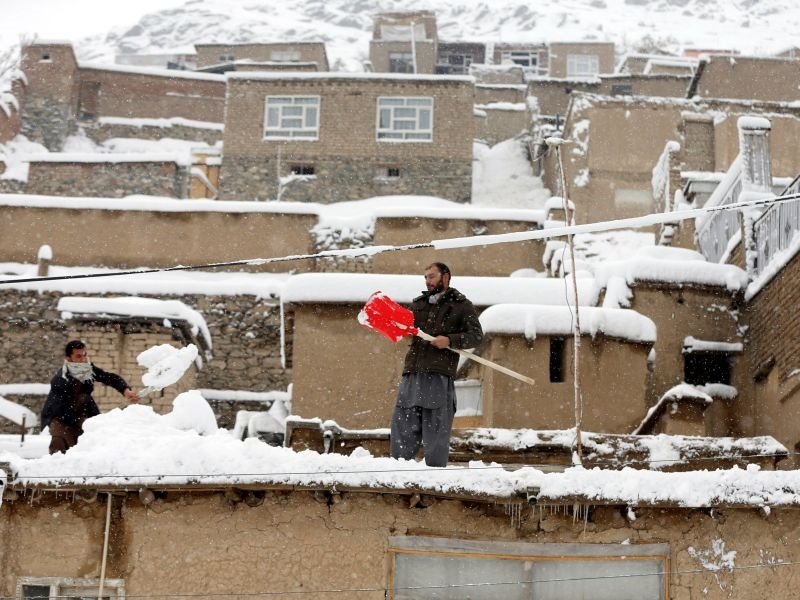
[[291, 123], [418, 136], [273, 117], [305, 100], [311, 116], [35, 592], [304, 133], [391, 102], [424, 119], [274, 100], [425, 577], [598, 579], [404, 125], [292, 111], [385, 118], [405, 113], [386, 135], [419, 102]]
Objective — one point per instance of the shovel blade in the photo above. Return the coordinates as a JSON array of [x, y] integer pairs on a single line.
[[384, 315]]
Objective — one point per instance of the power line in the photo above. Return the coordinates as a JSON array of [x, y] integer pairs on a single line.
[[484, 584], [448, 243]]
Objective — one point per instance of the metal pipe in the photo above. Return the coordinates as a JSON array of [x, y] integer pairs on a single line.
[[105, 548]]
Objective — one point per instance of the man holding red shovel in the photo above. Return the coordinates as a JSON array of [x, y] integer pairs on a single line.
[[426, 402]]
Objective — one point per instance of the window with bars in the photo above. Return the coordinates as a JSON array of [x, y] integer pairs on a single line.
[[65, 588], [582, 65], [292, 117], [405, 119]]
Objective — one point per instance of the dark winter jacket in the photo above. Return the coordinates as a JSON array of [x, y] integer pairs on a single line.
[[453, 316], [70, 401]]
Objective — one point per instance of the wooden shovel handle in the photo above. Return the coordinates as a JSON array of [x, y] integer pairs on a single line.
[[480, 359]]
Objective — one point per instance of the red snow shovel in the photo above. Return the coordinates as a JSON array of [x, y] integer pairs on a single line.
[[384, 315]]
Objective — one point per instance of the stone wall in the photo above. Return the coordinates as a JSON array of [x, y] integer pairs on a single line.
[[245, 333], [107, 179], [343, 178]]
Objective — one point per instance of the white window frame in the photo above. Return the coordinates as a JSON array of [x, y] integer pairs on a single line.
[[534, 556], [112, 588], [305, 132], [395, 104], [530, 56], [583, 65]]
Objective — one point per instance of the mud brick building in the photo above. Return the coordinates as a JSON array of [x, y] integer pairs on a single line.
[[329, 137], [290, 54]]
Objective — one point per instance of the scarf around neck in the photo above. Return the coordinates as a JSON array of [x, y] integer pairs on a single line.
[[80, 370]]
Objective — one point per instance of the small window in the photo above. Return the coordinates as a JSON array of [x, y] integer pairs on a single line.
[[582, 65], [226, 58], [403, 119], [621, 89], [292, 117], [302, 169], [523, 58], [401, 62], [557, 363], [46, 57], [393, 172], [43, 588], [700, 368], [285, 56]]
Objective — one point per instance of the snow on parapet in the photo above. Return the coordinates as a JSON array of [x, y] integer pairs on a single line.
[[136, 307], [87, 157], [16, 413], [532, 320], [509, 106], [162, 123], [672, 265], [169, 73], [692, 344], [482, 291], [332, 75]]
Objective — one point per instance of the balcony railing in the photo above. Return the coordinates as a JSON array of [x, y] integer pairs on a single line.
[[776, 228], [715, 231]]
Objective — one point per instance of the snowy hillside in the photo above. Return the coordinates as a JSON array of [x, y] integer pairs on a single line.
[[751, 26]]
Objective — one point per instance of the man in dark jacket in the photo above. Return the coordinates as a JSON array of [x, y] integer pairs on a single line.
[[426, 401], [70, 401]]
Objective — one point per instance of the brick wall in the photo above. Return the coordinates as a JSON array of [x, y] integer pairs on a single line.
[[100, 132], [11, 121], [211, 54], [245, 333], [347, 158], [107, 179]]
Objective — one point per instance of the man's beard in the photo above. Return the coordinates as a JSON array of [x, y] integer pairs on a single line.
[[437, 289]]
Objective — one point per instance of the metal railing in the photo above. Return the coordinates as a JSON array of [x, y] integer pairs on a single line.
[[719, 227], [776, 228]]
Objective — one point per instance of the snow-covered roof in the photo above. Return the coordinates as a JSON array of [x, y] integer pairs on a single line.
[[510, 106], [678, 272], [92, 157], [333, 75], [532, 320], [136, 307], [126, 449], [482, 291], [170, 122], [154, 71], [16, 413]]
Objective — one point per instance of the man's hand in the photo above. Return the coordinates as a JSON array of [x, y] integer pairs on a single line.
[[441, 342], [132, 396]]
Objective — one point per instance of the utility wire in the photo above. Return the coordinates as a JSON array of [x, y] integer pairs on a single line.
[[385, 590], [478, 240]]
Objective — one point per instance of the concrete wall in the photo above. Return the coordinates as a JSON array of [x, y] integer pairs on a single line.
[[293, 543], [749, 78], [211, 54], [349, 162], [614, 381], [500, 123], [107, 179], [559, 53], [425, 50]]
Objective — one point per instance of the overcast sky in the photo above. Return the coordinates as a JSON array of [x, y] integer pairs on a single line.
[[71, 19]]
